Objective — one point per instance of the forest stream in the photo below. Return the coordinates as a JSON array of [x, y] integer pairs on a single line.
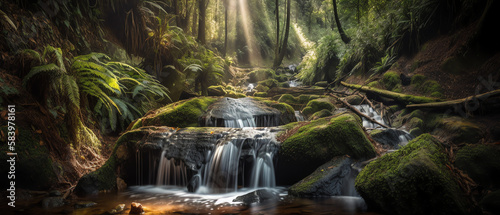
[[250, 107]]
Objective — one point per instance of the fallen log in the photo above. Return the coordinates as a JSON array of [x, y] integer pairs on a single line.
[[405, 98], [295, 91], [356, 111], [448, 104]]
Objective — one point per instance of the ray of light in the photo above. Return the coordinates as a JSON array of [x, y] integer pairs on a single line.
[[255, 57]]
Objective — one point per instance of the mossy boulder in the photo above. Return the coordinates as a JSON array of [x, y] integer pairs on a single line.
[[234, 95], [269, 83], [288, 98], [316, 105], [413, 180], [216, 91], [260, 75], [121, 160], [321, 114], [390, 79], [313, 144], [180, 114], [459, 130], [287, 112], [354, 99], [481, 162], [330, 179], [260, 94], [261, 88]]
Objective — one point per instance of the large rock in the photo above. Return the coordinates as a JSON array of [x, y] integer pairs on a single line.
[[316, 105], [413, 180], [258, 196], [330, 179], [180, 114], [481, 163], [459, 130], [313, 144]]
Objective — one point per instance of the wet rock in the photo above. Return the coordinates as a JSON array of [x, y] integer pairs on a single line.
[[330, 179], [118, 209], [52, 202], [194, 184], [136, 208], [216, 91], [120, 184], [414, 180], [392, 138], [317, 142], [481, 163], [459, 130], [354, 99], [258, 196], [84, 204]]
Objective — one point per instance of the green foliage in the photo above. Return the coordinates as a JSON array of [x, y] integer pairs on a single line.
[[321, 62], [390, 80], [205, 69], [384, 64]]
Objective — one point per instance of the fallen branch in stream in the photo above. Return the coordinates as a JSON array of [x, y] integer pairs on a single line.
[[447, 104], [359, 112], [405, 98]]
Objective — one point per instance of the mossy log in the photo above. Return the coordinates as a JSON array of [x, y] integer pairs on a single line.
[[448, 104], [359, 112], [404, 98]]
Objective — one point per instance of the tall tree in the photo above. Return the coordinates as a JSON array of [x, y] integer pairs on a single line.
[[343, 35], [281, 46], [226, 5], [182, 13], [202, 7]]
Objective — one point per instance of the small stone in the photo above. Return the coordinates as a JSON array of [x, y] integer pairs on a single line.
[[118, 209], [55, 193], [136, 208]]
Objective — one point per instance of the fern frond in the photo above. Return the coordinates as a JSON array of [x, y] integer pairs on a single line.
[[50, 69], [71, 87], [32, 53], [8, 20]]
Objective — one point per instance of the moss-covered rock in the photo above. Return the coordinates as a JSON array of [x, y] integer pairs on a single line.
[[354, 99], [234, 95], [413, 180], [260, 94], [320, 114], [315, 143], [316, 105], [261, 88], [321, 84], [216, 91], [180, 114], [418, 79], [260, 75], [269, 83], [288, 98], [481, 163], [459, 130], [327, 180], [390, 79], [105, 178]]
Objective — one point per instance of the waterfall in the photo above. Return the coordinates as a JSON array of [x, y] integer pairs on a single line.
[[299, 116], [240, 113], [171, 172], [366, 109]]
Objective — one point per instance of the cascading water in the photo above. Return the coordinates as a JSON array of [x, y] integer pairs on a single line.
[[366, 109], [240, 113], [299, 116]]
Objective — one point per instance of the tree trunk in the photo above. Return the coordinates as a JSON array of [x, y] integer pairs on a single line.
[[202, 7], [226, 5], [277, 12], [344, 36], [281, 51]]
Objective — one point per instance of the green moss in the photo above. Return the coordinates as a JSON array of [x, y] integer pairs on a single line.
[[430, 86], [260, 75], [416, 132], [374, 84], [316, 105], [235, 95], [269, 83], [415, 123], [261, 88], [260, 94], [284, 84], [481, 163], [415, 175], [180, 114], [459, 130], [398, 88], [216, 91], [288, 98], [390, 79], [317, 142], [321, 114], [418, 79]]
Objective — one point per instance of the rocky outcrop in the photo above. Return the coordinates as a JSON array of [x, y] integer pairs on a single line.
[[413, 180], [481, 163]]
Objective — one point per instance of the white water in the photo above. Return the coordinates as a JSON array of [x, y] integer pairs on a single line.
[[366, 109], [299, 116]]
